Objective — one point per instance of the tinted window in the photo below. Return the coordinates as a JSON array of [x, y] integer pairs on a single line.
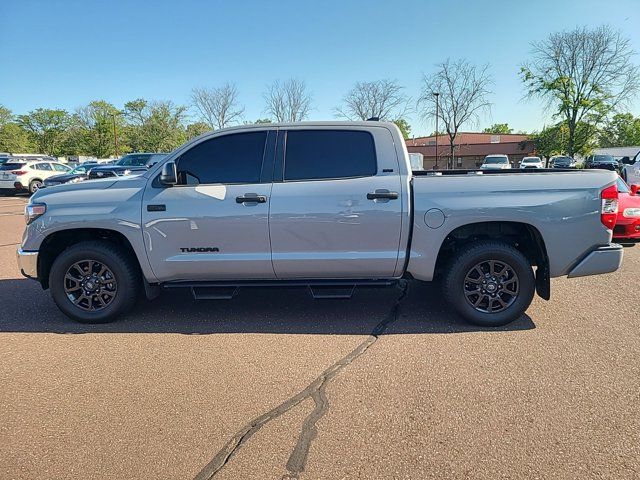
[[42, 166], [59, 167], [133, 160], [316, 154], [12, 166], [495, 160], [234, 158]]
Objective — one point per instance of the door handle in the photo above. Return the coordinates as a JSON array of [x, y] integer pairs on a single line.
[[382, 194], [251, 198]]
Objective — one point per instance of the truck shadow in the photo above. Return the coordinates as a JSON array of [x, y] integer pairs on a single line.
[[25, 307]]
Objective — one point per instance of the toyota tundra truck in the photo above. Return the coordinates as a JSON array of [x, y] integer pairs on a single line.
[[326, 205]]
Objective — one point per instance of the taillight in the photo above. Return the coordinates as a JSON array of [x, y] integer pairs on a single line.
[[609, 211], [18, 172]]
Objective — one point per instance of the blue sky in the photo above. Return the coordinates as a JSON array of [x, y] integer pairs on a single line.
[[63, 54]]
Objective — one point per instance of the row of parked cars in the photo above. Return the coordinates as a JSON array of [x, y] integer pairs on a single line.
[[28, 174], [501, 162]]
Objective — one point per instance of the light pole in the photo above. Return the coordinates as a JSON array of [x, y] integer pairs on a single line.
[[115, 133], [436, 94]]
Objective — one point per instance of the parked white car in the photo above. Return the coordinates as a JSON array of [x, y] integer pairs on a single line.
[[631, 173], [531, 162], [495, 162], [28, 175]]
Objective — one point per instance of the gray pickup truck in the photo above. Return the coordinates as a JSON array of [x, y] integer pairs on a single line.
[[329, 205]]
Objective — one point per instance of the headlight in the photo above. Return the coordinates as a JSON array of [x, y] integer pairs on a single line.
[[76, 180], [33, 211], [631, 213]]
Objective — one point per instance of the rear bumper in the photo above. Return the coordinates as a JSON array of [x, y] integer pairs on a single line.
[[28, 263], [601, 260]]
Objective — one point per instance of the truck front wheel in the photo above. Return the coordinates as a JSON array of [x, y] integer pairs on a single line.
[[93, 282], [490, 283]]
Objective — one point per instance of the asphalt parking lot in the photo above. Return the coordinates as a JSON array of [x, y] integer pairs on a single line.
[[274, 384]]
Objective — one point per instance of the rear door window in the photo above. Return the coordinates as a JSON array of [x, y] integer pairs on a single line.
[[329, 154], [43, 166], [234, 158]]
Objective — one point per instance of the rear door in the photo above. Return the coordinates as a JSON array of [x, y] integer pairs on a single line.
[[213, 225], [336, 210]]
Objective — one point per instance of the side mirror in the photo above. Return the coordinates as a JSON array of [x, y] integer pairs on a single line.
[[634, 189], [169, 174]]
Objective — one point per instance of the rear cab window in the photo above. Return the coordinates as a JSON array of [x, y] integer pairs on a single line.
[[329, 154]]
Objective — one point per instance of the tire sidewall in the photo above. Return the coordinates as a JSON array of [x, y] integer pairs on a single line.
[[56, 284], [526, 282], [34, 186]]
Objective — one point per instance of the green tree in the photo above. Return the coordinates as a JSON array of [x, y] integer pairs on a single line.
[[154, 126], [498, 129], [554, 140], [621, 130], [404, 127], [583, 74], [47, 129], [5, 115], [195, 129], [92, 130], [15, 139]]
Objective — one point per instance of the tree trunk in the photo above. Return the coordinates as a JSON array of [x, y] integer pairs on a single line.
[[452, 146]]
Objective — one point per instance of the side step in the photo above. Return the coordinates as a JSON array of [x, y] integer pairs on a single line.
[[319, 289]]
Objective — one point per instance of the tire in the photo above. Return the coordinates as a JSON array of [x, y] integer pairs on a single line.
[[114, 292], [513, 287], [34, 186]]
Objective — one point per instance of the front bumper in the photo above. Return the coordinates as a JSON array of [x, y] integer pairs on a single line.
[[28, 263], [601, 260]]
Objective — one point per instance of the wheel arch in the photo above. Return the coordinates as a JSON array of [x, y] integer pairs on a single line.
[[523, 236], [55, 243]]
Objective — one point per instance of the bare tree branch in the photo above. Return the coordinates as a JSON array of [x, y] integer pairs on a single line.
[[463, 89], [583, 74], [217, 107], [383, 99], [288, 101]]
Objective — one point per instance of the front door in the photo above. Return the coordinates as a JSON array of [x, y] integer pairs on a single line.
[[213, 225], [336, 207]]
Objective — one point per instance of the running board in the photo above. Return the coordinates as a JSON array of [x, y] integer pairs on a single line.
[[319, 289]]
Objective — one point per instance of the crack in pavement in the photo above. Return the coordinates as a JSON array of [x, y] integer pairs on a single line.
[[316, 390]]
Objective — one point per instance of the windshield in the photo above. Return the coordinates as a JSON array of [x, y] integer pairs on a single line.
[[562, 159], [531, 160], [495, 160], [79, 169], [603, 158], [139, 159], [12, 166], [133, 160]]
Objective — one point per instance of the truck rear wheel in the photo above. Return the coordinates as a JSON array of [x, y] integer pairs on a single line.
[[93, 282], [490, 283]]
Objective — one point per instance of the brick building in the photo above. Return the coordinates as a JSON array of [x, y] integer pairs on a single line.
[[471, 148]]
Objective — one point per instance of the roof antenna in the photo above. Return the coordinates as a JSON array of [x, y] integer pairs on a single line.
[[373, 119]]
